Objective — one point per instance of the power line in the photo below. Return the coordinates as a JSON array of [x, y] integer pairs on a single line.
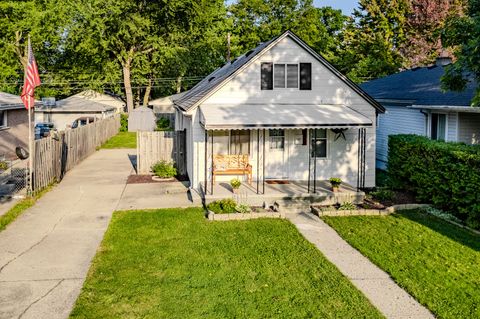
[[73, 82]]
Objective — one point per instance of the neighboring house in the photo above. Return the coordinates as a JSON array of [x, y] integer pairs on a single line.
[[87, 105], [13, 125], [269, 107], [165, 104], [164, 107], [416, 104]]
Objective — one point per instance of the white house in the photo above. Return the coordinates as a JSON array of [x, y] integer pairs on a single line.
[[280, 112], [86, 104], [416, 104]]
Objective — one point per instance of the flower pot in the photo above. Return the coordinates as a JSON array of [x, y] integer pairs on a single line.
[[160, 179], [335, 189], [235, 190]]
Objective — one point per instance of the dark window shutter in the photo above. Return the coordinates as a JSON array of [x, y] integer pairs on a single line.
[[305, 76], [267, 76]]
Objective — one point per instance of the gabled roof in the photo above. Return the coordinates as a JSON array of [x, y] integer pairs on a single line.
[[221, 76], [10, 101], [419, 86]]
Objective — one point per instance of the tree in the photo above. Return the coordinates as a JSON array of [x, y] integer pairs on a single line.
[[424, 24], [372, 39], [44, 21], [255, 21], [464, 34]]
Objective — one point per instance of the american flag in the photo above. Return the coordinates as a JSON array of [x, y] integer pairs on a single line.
[[32, 80]]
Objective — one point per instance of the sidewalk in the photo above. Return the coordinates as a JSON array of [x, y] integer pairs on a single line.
[[374, 283], [46, 253]]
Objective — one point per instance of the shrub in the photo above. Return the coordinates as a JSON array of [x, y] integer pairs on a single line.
[[224, 206], [235, 183], [124, 122], [442, 173], [164, 169], [335, 181], [243, 209], [441, 214], [383, 194], [163, 124], [347, 206]]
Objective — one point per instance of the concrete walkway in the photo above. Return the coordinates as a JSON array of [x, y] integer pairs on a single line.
[[46, 253], [374, 283]]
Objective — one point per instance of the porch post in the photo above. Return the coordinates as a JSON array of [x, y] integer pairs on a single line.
[[258, 161], [263, 165], [315, 161], [205, 181], [211, 179], [309, 141]]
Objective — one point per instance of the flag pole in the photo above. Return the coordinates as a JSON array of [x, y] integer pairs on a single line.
[[30, 140]]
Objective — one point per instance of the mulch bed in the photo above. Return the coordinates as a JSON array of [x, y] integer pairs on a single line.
[[147, 179], [277, 182]]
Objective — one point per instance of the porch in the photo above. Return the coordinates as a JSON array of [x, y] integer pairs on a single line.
[[285, 193]]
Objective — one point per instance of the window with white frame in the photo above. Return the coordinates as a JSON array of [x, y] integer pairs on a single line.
[[438, 126], [319, 143], [3, 119], [231, 142], [285, 76], [277, 139]]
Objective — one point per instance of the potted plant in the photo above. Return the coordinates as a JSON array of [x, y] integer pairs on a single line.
[[235, 183], [164, 170], [3, 166], [335, 182]]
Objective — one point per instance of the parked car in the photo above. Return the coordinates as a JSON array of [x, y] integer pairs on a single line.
[[43, 130], [81, 121]]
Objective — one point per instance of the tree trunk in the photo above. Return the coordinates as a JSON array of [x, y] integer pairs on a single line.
[[128, 85], [146, 97], [179, 84], [19, 51]]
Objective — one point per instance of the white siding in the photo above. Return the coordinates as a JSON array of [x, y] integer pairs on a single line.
[[469, 128], [397, 120], [327, 88]]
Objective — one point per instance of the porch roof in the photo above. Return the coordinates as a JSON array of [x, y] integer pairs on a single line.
[[255, 116]]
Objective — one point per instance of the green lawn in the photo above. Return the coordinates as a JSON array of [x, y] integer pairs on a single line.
[[20, 207], [173, 263], [122, 140], [438, 263]]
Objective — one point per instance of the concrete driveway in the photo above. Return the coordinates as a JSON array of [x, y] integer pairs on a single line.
[[46, 253]]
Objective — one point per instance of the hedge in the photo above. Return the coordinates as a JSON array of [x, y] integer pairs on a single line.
[[444, 174]]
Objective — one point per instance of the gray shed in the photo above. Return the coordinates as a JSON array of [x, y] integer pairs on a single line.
[[141, 119]]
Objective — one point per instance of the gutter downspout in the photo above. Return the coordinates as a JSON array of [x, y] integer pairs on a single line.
[[426, 121]]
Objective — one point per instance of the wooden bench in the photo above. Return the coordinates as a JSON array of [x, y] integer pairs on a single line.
[[232, 165]]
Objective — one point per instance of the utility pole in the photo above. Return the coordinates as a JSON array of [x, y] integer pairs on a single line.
[[228, 47]]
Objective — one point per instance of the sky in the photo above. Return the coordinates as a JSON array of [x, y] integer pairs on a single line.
[[347, 6]]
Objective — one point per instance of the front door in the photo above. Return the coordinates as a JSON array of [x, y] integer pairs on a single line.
[[276, 155]]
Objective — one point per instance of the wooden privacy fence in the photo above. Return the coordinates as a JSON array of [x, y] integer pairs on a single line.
[[156, 146], [55, 155]]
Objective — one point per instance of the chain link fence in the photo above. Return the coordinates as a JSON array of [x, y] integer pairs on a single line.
[[13, 176]]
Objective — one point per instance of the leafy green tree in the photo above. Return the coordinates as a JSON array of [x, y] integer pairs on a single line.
[[464, 34], [372, 39], [44, 21]]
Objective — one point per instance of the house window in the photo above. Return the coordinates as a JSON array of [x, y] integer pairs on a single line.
[[239, 142], [438, 127], [285, 76], [319, 143], [3, 119], [277, 139]]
